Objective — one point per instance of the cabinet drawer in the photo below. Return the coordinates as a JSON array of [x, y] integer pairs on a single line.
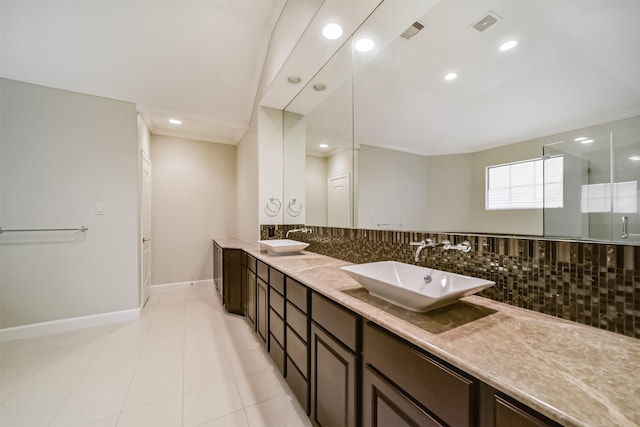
[[276, 326], [276, 280], [508, 414], [336, 320], [276, 301], [443, 392], [277, 353], [263, 270], [298, 351], [251, 263], [298, 293], [298, 321], [299, 385], [384, 405]]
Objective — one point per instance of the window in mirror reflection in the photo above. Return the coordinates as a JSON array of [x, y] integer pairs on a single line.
[[597, 197], [531, 184]]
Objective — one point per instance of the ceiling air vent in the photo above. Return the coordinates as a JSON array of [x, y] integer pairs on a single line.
[[485, 22], [412, 30]]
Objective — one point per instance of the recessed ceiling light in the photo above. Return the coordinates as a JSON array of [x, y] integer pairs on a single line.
[[580, 138], [175, 121], [451, 76], [324, 145], [332, 31], [364, 45], [319, 87], [635, 158], [508, 45], [294, 79], [586, 141]]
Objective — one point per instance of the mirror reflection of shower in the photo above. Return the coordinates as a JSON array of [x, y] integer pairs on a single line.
[[600, 183]]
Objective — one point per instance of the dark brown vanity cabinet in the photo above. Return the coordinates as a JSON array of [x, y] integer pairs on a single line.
[[297, 338], [262, 302], [250, 290], [335, 364], [499, 410], [345, 371], [404, 384], [276, 345], [227, 275]]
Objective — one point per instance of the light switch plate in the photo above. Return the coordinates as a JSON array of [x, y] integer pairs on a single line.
[[101, 209]]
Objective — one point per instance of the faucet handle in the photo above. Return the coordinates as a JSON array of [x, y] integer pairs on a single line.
[[428, 242], [465, 246]]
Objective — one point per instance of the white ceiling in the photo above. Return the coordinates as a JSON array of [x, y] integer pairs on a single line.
[[577, 64], [199, 61]]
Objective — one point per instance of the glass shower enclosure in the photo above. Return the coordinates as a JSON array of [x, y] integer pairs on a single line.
[[599, 183]]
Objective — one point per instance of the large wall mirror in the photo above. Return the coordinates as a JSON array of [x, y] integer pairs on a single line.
[[438, 124]]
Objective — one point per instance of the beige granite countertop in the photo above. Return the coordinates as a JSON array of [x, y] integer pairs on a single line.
[[576, 375]]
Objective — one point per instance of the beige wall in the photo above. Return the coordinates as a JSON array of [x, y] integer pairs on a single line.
[[449, 193], [61, 154], [316, 190], [193, 200], [247, 227], [515, 221]]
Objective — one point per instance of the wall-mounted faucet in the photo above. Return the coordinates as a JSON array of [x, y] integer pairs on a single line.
[[299, 230], [464, 246], [426, 243]]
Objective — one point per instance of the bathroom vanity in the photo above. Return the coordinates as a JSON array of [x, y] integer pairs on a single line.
[[352, 359]]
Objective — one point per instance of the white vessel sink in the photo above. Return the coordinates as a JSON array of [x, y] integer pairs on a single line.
[[412, 287], [282, 246]]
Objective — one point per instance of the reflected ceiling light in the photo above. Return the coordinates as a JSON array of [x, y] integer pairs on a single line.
[[175, 121], [364, 45], [319, 87], [635, 158], [451, 76], [508, 45], [580, 139], [324, 145], [294, 79], [586, 141], [332, 31]]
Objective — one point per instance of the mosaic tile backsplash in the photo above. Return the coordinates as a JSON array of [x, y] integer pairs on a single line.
[[596, 284]]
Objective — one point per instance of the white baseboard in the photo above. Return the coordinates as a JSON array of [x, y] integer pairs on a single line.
[[155, 289], [65, 325]]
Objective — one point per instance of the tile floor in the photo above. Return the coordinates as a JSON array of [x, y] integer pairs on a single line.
[[184, 363]]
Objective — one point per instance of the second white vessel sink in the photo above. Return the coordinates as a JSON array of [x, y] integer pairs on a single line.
[[282, 246], [413, 287]]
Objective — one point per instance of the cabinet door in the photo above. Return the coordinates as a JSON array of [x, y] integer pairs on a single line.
[[251, 298], [262, 310], [383, 405], [232, 284], [333, 381]]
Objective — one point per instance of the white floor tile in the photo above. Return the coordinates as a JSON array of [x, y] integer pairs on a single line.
[[158, 414], [258, 387], [236, 419], [207, 374], [32, 416], [159, 363], [186, 362], [149, 389], [210, 403], [109, 421], [279, 411], [84, 407], [245, 362]]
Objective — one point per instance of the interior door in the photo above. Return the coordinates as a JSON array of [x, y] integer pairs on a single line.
[[146, 227], [339, 201]]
